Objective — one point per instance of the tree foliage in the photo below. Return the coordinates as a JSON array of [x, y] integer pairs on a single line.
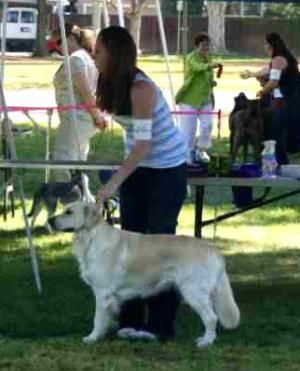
[[195, 7], [287, 11], [41, 50]]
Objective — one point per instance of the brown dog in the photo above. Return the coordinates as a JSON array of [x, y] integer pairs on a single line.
[[246, 126]]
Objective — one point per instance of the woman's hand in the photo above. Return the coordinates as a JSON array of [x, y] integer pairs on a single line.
[[246, 74], [260, 93], [211, 66]]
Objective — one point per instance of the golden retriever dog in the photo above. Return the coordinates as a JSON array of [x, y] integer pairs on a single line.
[[120, 265]]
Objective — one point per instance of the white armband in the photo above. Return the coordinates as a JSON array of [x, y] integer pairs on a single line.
[[142, 129], [277, 93], [275, 74]]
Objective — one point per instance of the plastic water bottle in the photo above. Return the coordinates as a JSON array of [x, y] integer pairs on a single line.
[[268, 159]]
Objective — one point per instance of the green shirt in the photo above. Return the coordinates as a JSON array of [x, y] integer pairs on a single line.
[[197, 87]]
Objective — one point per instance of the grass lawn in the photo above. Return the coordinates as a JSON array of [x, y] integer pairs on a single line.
[[44, 332], [31, 73]]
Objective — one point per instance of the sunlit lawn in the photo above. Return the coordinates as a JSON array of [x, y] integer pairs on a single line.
[[262, 254], [30, 73]]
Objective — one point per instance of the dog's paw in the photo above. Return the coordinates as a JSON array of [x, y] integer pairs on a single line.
[[203, 342], [91, 338]]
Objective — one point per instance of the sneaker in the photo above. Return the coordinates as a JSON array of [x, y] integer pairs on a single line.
[[131, 333], [126, 333], [145, 335], [203, 157]]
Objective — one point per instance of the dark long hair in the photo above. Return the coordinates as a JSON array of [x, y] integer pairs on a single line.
[[280, 49], [113, 91]]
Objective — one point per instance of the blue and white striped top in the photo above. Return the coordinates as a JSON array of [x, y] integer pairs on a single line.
[[168, 147]]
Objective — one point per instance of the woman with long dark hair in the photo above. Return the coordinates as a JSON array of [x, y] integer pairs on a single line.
[[152, 179], [283, 85]]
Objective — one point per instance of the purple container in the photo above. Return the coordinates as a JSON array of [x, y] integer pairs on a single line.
[[243, 196], [248, 170]]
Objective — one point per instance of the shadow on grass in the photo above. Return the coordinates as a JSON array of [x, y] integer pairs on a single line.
[[21, 232]]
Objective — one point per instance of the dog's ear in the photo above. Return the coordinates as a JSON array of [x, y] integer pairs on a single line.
[[92, 215]]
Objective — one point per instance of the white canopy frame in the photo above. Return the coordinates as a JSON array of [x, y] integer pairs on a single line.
[[7, 124], [67, 67], [98, 5], [6, 127], [3, 41]]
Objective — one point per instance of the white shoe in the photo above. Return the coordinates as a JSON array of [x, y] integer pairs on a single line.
[[203, 157], [145, 335], [131, 333], [126, 333]]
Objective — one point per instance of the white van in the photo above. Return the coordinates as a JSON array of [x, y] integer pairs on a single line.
[[21, 28]]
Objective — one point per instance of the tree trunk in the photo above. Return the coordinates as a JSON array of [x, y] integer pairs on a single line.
[[134, 15], [41, 49], [135, 19], [216, 25], [134, 27]]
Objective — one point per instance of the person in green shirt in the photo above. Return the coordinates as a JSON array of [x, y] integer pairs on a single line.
[[196, 94]]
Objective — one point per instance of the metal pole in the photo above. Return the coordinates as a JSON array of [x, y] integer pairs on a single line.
[[120, 13], [96, 16], [106, 14], [47, 154], [185, 33], [178, 32], [165, 49], [68, 72], [179, 8], [3, 38], [7, 132]]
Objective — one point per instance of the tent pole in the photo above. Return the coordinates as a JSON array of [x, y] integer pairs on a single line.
[[3, 38], [7, 132], [105, 13], [96, 16], [67, 67], [120, 13], [185, 33], [165, 49]]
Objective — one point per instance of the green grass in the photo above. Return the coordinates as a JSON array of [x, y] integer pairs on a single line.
[[261, 248], [22, 74], [44, 332]]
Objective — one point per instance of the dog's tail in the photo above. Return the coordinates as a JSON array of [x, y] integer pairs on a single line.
[[37, 201], [225, 306], [35, 204]]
